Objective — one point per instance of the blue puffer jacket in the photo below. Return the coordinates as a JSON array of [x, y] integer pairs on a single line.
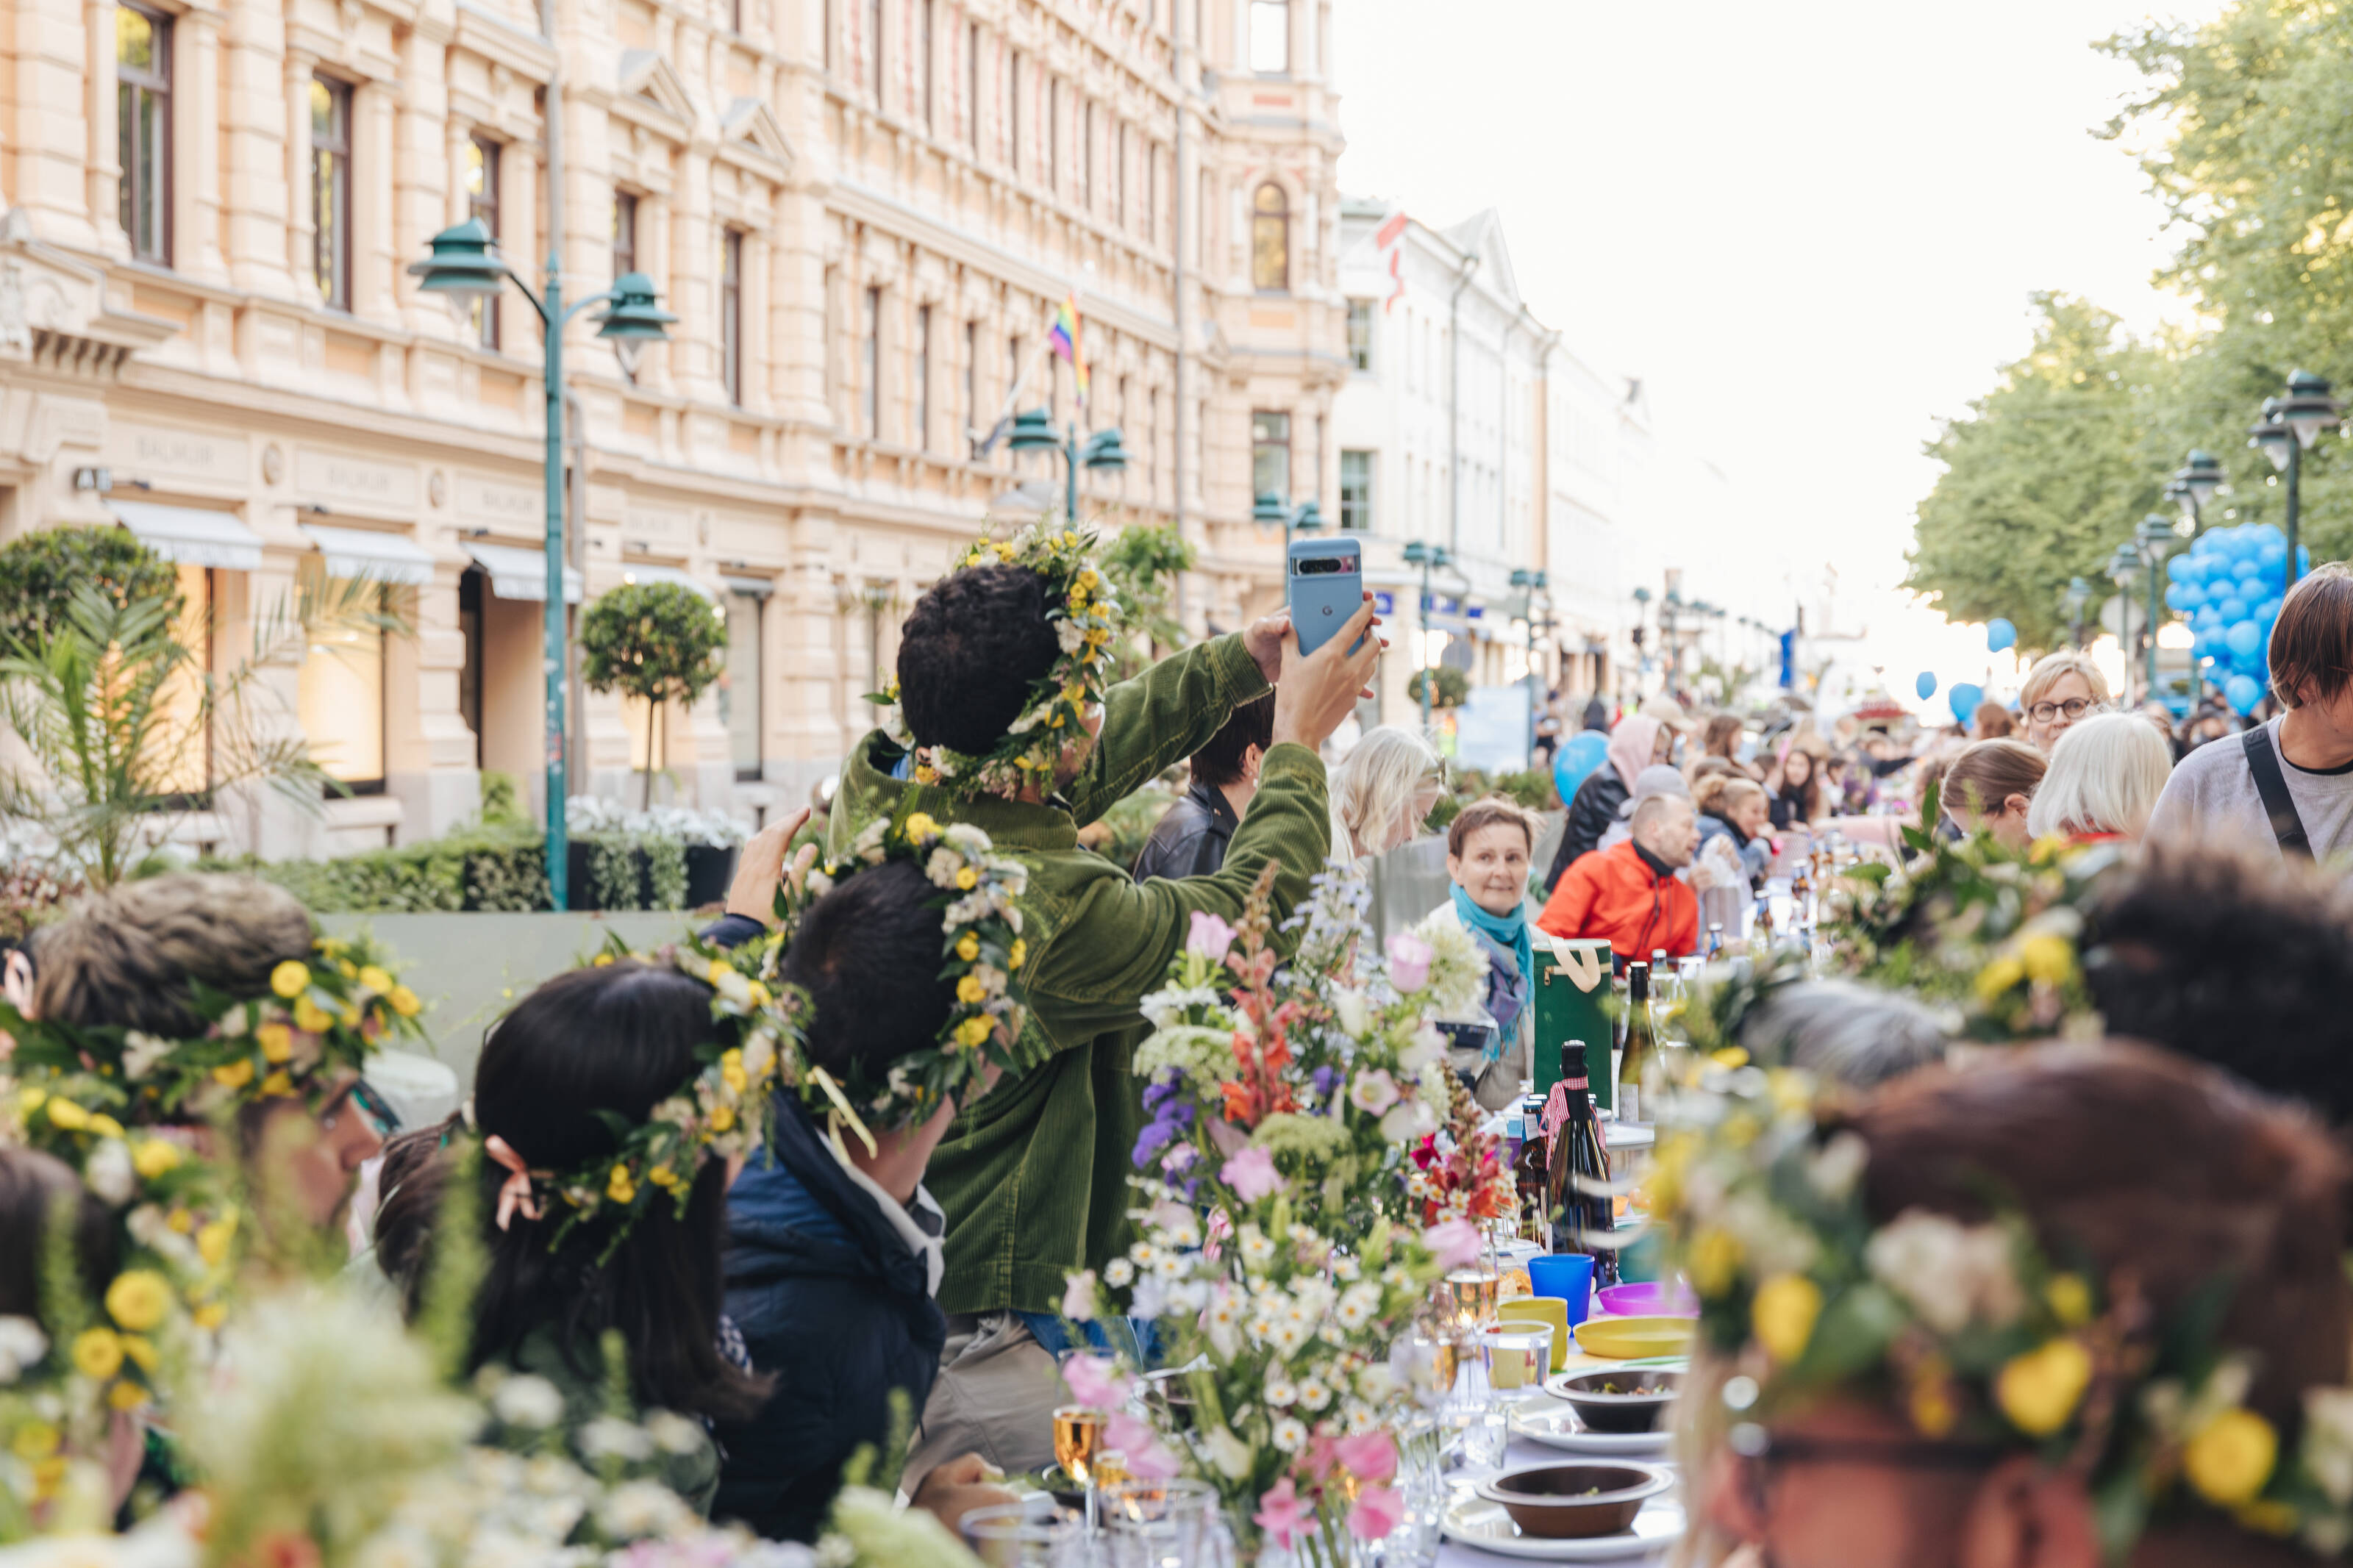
[[833, 1300]]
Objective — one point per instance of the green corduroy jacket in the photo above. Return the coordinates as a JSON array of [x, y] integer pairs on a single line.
[[1033, 1178]]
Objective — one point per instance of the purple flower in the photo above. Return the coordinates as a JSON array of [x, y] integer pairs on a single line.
[[1323, 1079]]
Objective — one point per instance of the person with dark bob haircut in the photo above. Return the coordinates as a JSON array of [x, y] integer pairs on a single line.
[[1033, 1178], [833, 1252], [2223, 954], [590, 1044], [1190, 838], [2286, 784]]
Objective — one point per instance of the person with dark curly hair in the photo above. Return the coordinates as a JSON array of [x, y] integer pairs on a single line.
[[2229, 955], [1033, 1177]]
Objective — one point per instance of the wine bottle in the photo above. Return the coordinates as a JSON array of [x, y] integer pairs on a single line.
[[1528, 1168], [1640, 1047], [1580, 1216], [1714, 939]]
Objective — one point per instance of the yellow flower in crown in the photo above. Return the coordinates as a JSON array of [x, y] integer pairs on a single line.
[[967, 947], [276, 1042], [1783, 1315], [404, 1001], [2050, 959], [312, 1018], [1018, 953], [967, 880], [236, 1074], [921, 828], [290, 979], [2039, 1390], [138, 1299], [971, 992], [1996, 979], [618, 1188], [973, 1031], [373, 977], [98, 1353], [2070, 1298], [1715, 1259], [2231, 1458], [154, 1158], [213, 1239], [67, 1114]]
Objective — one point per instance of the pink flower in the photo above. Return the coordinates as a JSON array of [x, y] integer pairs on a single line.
[[1409, 959], [1251, 1174], [1284, 1515], [1210, 936], [1368, 1455], [1373, 1092], [1146, 1459], [1377, 1512], [1456, 1242], [1093, 1383]]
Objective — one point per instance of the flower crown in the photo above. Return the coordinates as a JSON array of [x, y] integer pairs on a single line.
[[319, 1021], [1973, 1331], [1086, 619]]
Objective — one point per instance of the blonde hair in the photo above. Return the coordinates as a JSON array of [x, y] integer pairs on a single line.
[[1719, 795], [2051, 667], [1988, 773], [126, 956], [2105, 774], [1373, 791]]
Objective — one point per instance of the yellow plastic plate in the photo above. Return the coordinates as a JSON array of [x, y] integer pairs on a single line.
[[1623, 1339]]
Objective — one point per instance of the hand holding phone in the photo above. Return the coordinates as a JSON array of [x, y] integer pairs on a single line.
[[1325, 585]]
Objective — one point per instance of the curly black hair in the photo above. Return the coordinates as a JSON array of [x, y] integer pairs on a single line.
[[2234, 958], [970, 653]]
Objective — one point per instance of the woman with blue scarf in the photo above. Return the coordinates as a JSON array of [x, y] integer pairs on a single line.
[[1488, 850]]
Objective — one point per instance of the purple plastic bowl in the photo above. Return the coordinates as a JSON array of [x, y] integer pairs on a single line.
[[1646, 1299]]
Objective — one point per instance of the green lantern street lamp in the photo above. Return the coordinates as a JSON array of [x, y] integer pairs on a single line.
[[2289, 428], [2156, 536], [1033, 431], [1532, 584], [1269, 510], [2198, 481], [1430, 558], [465, 267], [2079, 598]]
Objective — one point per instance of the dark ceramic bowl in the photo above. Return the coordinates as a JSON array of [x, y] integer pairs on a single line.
[[1562, 1502], [1620, 1401]]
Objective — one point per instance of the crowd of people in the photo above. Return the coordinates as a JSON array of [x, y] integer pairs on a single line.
[[801, 1187]]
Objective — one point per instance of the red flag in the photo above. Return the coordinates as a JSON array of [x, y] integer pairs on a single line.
[[1389, 242]]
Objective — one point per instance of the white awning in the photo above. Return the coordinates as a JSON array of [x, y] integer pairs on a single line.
[[389, 558], [191, 536], [521, 574], [758, 587], [647, 571]]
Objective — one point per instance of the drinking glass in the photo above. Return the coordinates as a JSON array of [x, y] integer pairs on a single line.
[[1024, 1535], [1470, 1294], [1161, 1525], [1518, 1359], [1078, 1439], [1476, 1435]]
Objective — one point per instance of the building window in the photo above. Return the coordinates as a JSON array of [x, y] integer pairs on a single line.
[[1119, 181], [730, 314], [1086, 130], [1013, 364], [972, 87], [331, 192], [340, 703], [1270, 454], [625, 257], [971, 377], [1152, 193], [1270, 36], [1013, 110], [1152, 445], [1054, 136], [739, 685], [187, 770], [923, 378], [1357, 492], [142, 77], [871, 347], [873, 42], [1360, 333], [482, 204], [1271, 240]]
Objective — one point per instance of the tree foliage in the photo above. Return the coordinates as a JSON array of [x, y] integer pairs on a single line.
[[1144, 564], [39, 572], [657, 642]]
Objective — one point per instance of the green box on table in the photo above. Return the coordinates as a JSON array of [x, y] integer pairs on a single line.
[[1572, 1002]]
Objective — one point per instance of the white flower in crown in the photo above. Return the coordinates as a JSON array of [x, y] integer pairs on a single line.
[[1030, 719], [759, 1054], [966, 838], [943, 867], [1070, 634], [22, 1345], [2328, 1442], [1951, 1274], [109, 1173], [140, 1053], [819, 884], [868, 845]]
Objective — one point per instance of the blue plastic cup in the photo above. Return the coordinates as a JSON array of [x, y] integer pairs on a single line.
[[1567, 1275]]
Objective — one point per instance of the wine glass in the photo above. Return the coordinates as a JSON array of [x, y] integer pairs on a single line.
[[1470, 1294], [1078, 1440]]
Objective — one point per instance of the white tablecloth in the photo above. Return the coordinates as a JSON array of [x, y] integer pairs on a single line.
[[1459, 1554]]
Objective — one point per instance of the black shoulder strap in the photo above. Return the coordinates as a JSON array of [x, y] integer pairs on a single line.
[[2263, 763]]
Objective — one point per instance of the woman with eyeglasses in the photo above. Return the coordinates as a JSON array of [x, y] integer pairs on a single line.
[[2060, 688]]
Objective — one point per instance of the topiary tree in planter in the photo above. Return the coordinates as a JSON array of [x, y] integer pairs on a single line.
[[39, 572], [1453, 690], [659, 643]]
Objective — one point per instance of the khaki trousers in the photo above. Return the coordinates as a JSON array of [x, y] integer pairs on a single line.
[[994, 1397]]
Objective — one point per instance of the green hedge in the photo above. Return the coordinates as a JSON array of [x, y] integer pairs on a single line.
[[489, 868]]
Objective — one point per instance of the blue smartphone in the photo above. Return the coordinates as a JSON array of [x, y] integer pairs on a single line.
[[1326, 587]]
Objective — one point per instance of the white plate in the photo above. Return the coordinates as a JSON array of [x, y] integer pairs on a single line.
[[1556, 1425], [1485, 1527]]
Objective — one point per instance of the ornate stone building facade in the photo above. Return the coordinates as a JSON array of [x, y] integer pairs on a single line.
[[864, 212]]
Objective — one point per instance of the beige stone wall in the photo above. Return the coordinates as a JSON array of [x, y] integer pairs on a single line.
[[866, 153]]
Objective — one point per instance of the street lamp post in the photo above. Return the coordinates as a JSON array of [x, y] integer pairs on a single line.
[[2079, 596], [1642, 615], [1270, 508], [1430, 558], [2156, 536], [465, 266], [2124, 569], [1033, 431], [2289, 428], [1532, 584], [2197, 481]]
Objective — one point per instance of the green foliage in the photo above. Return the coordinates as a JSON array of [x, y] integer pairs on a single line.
[[636, 871], [1452, 689], [40, 572], [494, 867], [657, 642], [1532, 788], [500, 803], [2052, 471], [1142, 565]]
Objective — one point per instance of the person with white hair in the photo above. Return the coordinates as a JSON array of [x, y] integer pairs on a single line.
[[2106, 771], [1383, 792]]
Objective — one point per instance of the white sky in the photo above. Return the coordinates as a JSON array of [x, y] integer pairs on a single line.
[[1810, 230]]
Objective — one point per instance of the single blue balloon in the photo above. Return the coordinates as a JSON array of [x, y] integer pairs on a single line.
[[2233, 609], [2187, 598], [2244, 692], [2268, 611], [1999, 634], [2179, 570], [2254, 589], [1926, 684], [2271, 556], [1965, 699], [2303, 560], [2244, 638], [2263, 533], [1579, 756]]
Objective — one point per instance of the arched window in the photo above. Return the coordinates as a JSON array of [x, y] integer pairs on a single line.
[[1271, 240]]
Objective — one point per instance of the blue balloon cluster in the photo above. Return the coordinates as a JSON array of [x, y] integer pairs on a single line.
[[2230, 584]]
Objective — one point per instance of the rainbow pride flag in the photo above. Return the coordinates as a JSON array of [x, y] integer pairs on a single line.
[[1063, 336]]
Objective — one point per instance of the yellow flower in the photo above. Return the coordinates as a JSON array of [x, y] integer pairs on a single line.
[[2070, 1298], [618, 1188], [2230, 1460], [154, 1157], [602, 960], [276, 1042], [730, 1071], [1996, 979], [760, 995], [973, 1031], [662, 1176], [971, 992], [105, 1126], [921, 828], [347, 969], [967, 947], [31, 1100], [1089, 581], [375, 978], [1782, 1316], [142, 1352], [2045, 850], [236, 1074], [2039, 1390], [1729, 1056], [967, 880], [35, 1439], [138, 1299], [213, 1239], [47, 1477], [925, 773], [126, 1396], [290, 979], [65, 1114], [2271, 1517], [311, 1018], [1934, 1413], [404, 1001], [277, 1084], [98, 1353], [180, 1221], [1019, 951], [211, 1315], [2049, 959], [722, 1118], [1714, 1260]]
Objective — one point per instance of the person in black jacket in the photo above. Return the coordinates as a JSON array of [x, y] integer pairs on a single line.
[[1634, 745], [833, 1255], [1190, 840]]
